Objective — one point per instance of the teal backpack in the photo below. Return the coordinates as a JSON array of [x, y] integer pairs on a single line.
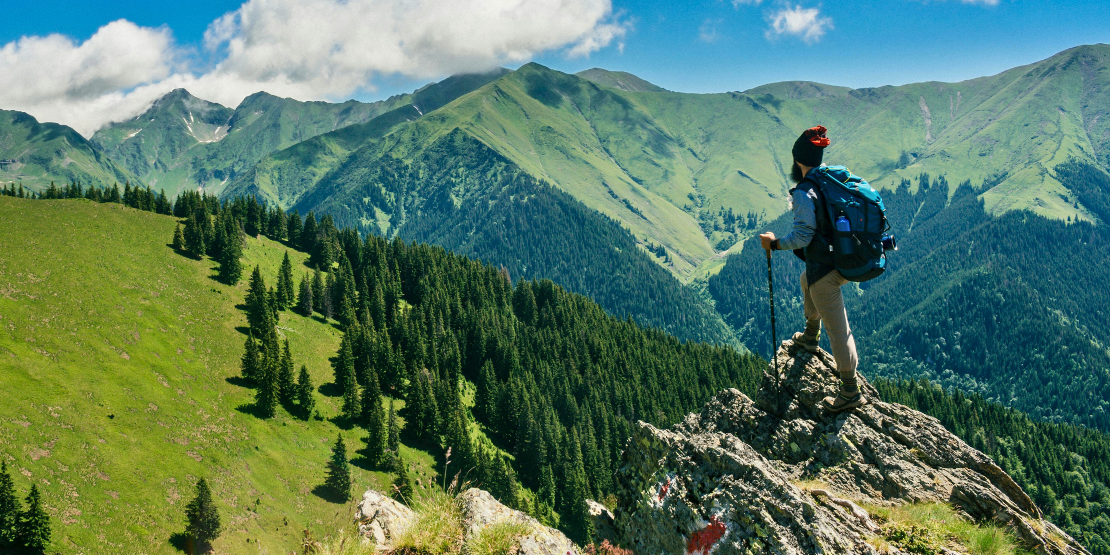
[[859, 223]]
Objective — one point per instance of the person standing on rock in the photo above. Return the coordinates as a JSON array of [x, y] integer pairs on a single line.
[[821, 282]]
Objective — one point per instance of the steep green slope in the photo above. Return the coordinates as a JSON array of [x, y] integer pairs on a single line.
[[35, 154], [697, 173], [462, 195], [183, 142], [1001, 306], [119, 363], [284, 176]]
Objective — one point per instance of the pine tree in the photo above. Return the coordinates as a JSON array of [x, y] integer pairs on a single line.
[[319, 292], [308, 233], [34, 523], [250, 363], [402, 484], [326, 297], [231, 267], [305, 394], [373, 420], [345, 380], [9, 509], [202, 518], [338, 480], [575, 514], [258, 303], [304, 302], [266, 395], [178, 239], [287, 389], [293, 229], [194, 237], [393, 434], [285, 293]]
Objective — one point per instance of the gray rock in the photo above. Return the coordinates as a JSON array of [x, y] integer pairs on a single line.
[[603, 519], [380, 518], [480, 510], [722, 479]]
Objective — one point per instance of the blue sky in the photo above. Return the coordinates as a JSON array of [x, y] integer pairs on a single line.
[[698, 46]]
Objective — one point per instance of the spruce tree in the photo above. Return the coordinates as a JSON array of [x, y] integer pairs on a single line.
[[304, 301], [393, 434], [258, 303], [9, 509], [326, 297], [305, 394], [318, 291], [250, 363], [178, 239], [338, 480], [231, 267], [194, 237], [266, 395], [202, 519], [308, 233], [287, 389], [293, 229], [373, 420], [402, 484], [34, 523], [575, 515], [285, 294]]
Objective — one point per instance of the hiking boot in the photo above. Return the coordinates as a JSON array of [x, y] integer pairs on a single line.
[[843, 402], [804, 342]]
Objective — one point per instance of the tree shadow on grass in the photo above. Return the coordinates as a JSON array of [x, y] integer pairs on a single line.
[[325, 493], [243, 330], [240, 381], [330, 389], [252, 410], [342, 422], [182, 542]]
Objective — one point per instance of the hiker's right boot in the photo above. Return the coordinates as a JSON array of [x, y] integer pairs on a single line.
[[807, 341]]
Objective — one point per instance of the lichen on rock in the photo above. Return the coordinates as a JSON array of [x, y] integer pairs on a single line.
[[723, 480]]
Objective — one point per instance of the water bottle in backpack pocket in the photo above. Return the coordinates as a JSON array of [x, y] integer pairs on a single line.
[[859, 222]]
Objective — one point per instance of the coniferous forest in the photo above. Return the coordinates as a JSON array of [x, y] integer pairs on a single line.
[[552, 382]]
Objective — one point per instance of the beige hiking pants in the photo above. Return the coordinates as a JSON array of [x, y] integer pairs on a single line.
[[825, 303]]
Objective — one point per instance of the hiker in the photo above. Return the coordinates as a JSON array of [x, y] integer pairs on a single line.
[[821, 282]]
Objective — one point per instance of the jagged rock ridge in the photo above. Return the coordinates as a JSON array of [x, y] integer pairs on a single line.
[[724, 480]]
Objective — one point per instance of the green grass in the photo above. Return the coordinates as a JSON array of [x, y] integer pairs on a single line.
[[924, 527], [116, 357]]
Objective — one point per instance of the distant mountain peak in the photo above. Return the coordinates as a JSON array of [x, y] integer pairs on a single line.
[[798, 90], [619, 80]]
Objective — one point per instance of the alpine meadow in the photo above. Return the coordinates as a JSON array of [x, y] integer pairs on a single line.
[[535, 310]]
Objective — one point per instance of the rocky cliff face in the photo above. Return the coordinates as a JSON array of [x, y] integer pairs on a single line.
[[725, 480]]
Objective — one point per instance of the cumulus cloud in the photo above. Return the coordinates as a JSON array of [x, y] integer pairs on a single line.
[[805, 23], [305, 49]]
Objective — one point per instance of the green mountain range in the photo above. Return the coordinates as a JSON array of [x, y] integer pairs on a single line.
[[695, 173], [34, 154], [182, 142]]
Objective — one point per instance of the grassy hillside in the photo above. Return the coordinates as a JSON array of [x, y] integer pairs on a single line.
[[121, 352], [35, 154]]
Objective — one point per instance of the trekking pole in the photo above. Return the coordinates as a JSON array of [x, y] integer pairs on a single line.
[[774, 336]]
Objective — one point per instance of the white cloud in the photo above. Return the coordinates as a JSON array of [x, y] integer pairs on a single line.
[[738, 3], [709, 31], [305, 49], [805, 23]]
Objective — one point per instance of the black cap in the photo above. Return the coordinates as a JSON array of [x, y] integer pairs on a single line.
[[810, 146]]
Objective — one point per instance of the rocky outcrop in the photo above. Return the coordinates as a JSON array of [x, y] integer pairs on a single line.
[[381, 520], [725, 479]]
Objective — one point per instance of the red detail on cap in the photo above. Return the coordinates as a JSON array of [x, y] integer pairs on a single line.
[[703, 540], [817, 136]]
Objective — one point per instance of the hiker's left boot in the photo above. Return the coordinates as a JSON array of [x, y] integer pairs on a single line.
[[802, 340], [843, 401]]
